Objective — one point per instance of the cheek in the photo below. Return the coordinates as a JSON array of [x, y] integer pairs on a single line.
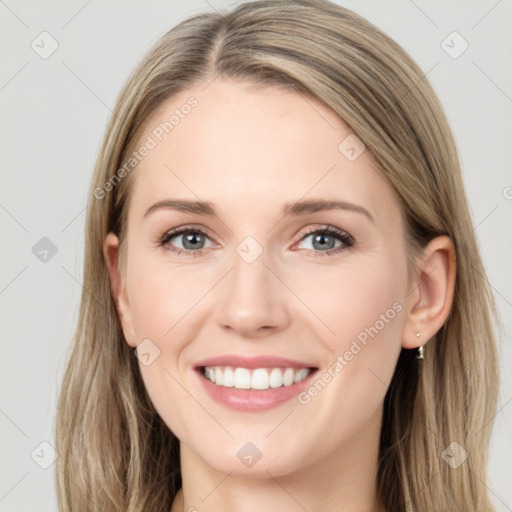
[[358, 301], [364, 307], [161, 303], [367, 308], [160, 299]]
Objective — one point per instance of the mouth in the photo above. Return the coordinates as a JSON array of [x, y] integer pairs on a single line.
[[253, 384], [257, 379]]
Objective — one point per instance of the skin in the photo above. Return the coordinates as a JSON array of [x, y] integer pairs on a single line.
[[249, 150]]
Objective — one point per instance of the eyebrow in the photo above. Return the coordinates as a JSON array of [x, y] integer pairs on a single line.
[[297, 208]]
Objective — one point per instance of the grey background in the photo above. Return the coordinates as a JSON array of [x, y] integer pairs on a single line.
[[53, 115]]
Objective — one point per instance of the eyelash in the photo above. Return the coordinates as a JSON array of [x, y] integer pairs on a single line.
[[343, 236]]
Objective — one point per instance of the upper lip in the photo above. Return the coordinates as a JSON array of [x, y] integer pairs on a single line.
[[264, 361]]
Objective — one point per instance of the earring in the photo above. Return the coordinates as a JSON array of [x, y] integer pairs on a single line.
[[420, 352]]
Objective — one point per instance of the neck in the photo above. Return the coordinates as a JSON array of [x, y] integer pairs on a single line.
[[344, 481]]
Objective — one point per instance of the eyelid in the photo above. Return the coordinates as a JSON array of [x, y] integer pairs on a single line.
[[345, 239], [323, 227], [180, 230]]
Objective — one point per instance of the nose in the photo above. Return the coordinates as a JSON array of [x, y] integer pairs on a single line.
[[253, 299]]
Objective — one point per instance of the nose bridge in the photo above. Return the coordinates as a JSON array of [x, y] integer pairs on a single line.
[[253, 297]]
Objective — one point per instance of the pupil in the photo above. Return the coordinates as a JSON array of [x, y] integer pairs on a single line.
[[321, 240], [191, 238]]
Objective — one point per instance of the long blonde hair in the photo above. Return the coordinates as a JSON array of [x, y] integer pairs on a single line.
[[114, 451]]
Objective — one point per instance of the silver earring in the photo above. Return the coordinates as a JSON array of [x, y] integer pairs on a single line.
[[420, 352]]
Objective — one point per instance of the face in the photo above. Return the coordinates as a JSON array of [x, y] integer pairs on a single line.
[[315, 293]]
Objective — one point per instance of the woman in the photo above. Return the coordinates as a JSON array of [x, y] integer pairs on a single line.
[[251, 371]]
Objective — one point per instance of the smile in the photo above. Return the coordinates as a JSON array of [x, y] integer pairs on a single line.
[[257, 379]]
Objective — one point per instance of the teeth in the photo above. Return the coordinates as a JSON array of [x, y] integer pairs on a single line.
[[301, 375], [229, 378], [218, 376], [276, 378], [288, 377], [260, 378], [242, 378]]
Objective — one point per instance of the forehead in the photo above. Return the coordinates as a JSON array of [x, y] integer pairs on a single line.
[[239, 145]]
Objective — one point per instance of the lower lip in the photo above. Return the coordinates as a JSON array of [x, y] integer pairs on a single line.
[[253, 400]]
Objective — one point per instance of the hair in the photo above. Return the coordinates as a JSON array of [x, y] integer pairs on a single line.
[[115, 453]]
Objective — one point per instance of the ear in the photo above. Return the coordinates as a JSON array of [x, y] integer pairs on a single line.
[[118, 287], [432, 295]]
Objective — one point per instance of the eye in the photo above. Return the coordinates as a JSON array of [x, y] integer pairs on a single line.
[[323, 241], [192, 240]]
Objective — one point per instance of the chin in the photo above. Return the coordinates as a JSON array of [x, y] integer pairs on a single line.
[[253, 459]]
